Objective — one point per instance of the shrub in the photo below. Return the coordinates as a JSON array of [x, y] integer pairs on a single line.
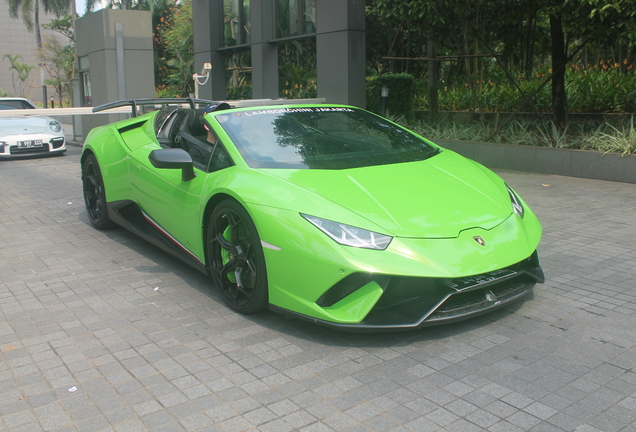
[[401, 94], [603, 88]]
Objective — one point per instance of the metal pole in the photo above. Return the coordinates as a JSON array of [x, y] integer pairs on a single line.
[[43, 86]]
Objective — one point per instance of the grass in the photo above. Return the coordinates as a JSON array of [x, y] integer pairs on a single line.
[[588, 136]]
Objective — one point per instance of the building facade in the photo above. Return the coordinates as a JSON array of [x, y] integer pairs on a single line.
[[282, 48], [15, 39]]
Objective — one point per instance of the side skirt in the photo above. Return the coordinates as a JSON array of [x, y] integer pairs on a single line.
[[130, 216]]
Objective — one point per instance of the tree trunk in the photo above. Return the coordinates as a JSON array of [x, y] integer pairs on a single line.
[[36, 13], [559, 100]]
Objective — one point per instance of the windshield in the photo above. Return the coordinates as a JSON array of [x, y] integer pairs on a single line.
[[15, 104], [320, 138]]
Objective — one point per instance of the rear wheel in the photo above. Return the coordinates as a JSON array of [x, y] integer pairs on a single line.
[[235, 254], [95, 194]]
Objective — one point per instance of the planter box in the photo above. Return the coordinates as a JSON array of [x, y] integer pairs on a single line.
[[548, 160]]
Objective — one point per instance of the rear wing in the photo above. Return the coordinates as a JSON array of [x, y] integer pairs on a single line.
[[134, 103]]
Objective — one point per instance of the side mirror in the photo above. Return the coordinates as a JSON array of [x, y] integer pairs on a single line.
[[175, 158]]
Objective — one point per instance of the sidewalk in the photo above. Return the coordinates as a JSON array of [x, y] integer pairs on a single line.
[[101, 331]]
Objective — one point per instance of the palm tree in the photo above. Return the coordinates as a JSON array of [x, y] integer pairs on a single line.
[[31, 13], [123, 4]]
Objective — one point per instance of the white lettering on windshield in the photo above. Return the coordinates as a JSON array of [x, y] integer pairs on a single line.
[[296, 110]]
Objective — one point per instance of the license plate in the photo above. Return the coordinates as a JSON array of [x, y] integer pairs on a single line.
[[461, 284], [30, 143]]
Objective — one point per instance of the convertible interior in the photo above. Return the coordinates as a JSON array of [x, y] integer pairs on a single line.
[[182, 128]]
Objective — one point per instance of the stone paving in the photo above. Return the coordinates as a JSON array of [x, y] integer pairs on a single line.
[[101, 331]]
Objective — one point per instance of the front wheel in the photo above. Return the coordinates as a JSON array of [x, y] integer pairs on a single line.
[[235, 254], [95, 194]]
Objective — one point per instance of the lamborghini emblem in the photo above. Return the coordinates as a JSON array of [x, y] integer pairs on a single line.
[[479, 240]]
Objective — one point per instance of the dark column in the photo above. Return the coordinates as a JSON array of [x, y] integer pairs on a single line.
[[207, 25], [432, 79], [340, 46], [264, 55]]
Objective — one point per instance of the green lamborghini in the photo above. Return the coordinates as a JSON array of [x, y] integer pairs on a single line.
[[326, 212]]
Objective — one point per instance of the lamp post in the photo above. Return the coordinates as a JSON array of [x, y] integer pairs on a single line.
[[383, 99]]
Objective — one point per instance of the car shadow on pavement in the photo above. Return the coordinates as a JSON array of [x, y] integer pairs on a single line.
[[158, 263]]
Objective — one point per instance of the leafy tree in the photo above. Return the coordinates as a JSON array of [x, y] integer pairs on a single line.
[[148, 5], [176, 36], [63, 26], [59, 61], [30, 10], [525, 32], [21, 69]]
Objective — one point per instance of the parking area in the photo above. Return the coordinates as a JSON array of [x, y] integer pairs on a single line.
[[101, 331]]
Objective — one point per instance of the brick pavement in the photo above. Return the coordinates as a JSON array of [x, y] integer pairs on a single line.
[[79, 310]]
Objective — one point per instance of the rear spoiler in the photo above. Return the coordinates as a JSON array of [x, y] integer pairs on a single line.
[[192, 102], [134, 103]]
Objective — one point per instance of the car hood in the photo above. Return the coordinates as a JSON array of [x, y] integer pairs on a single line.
[[23, 125], [435, 198]]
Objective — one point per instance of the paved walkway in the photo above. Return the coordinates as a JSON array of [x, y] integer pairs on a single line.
[[100, 331]]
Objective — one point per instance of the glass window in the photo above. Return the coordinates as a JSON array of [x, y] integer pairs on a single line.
[[85, 81], [295, 17], [321, 138], [84, 63], [297, 68], [238, 74], [87, 93], [15, 104], [236, 22], [309, 16]]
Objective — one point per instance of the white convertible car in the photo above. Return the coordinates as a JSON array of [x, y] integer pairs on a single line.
[[28, 135]]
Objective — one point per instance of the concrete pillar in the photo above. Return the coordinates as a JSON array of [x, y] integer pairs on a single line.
[[207, 26], [118, 44], [264, 55], [341, 52]]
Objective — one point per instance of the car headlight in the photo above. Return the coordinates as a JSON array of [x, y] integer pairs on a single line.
[[517, 207], [55, 126], [348, 235]]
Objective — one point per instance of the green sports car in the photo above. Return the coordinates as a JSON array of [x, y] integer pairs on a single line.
[[326, 212]]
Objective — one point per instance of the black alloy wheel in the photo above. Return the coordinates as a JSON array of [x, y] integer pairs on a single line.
[[235, 254], [95, 194]]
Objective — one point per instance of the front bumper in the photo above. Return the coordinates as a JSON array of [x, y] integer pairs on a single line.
[[415, 302], [50, 145]]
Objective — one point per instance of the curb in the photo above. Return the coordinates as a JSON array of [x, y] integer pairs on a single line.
[[548, 160]]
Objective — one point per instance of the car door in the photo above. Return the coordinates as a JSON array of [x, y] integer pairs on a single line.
[[174, 205], [169, 203]]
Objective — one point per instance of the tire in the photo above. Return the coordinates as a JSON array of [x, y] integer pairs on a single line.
[[236, 260], [95, 194]]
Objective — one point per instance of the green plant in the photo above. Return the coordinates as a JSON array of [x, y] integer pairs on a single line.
[[22, 70], [589, 136], [552, 135], [239, 92], [615, 140]]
